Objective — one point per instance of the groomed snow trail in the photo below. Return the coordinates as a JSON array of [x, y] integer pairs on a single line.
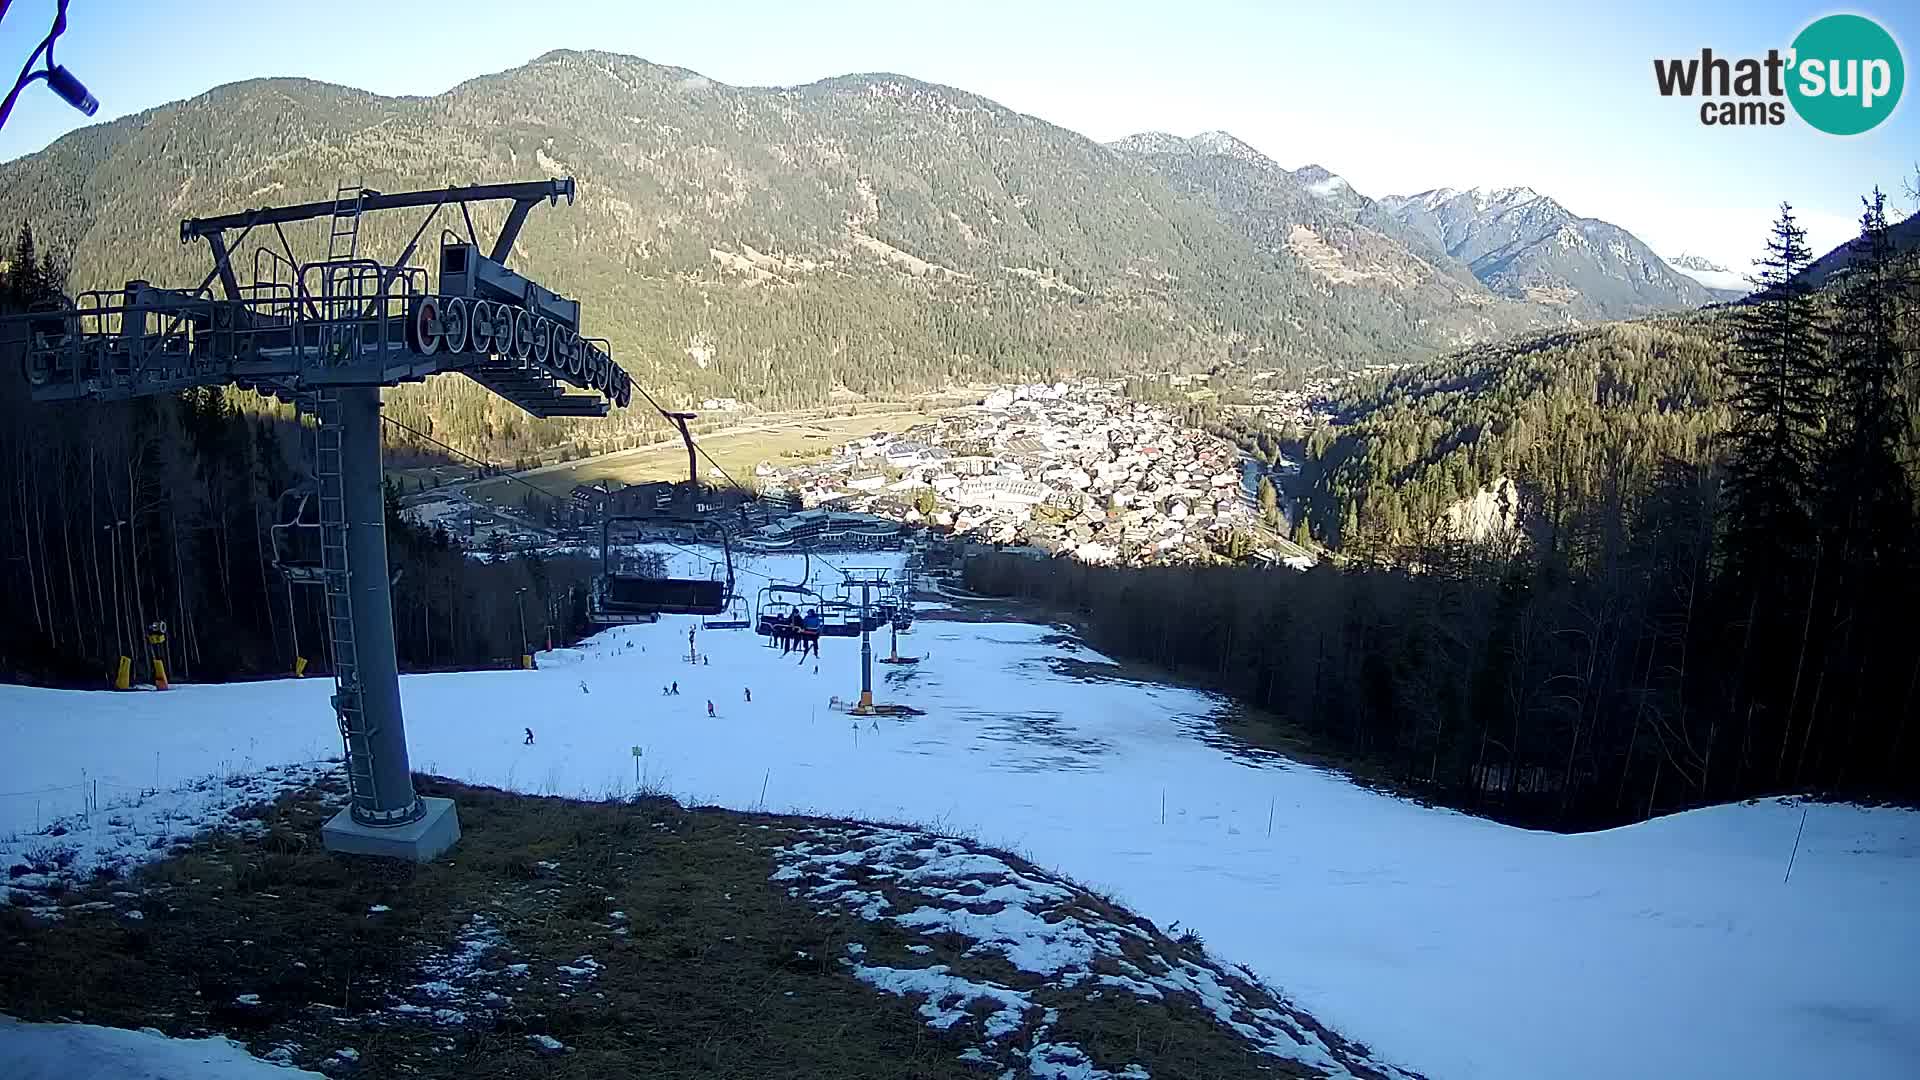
[[1456, 946]]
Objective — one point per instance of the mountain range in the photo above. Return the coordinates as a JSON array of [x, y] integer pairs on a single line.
[[866, 234], [1525, 245]]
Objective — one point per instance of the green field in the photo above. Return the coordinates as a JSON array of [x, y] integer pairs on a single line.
[[781, 439]]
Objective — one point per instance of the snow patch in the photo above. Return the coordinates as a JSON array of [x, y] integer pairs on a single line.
[[78, 1051], [124, 826], [1039, 926]]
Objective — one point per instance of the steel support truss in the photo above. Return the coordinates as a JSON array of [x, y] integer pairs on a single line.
[[327, 335]]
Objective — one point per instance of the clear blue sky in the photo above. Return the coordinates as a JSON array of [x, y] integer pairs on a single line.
[[1397, 97]]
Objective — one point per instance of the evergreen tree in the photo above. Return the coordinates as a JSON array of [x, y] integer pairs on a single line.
[[1776, 368], [25, 282], [1269, 504], [1867, 500], [1867, 503]]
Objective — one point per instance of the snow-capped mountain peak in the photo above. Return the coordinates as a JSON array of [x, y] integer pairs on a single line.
[[1709, 273], [1220, 142], [1152, 142]]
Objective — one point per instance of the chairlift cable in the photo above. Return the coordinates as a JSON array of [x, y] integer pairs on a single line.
[[738, 486]]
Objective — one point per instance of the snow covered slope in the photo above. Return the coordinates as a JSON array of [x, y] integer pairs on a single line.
[[87, 1052], [1459, 947]]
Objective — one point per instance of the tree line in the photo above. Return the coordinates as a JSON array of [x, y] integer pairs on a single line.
[[1707, 599]]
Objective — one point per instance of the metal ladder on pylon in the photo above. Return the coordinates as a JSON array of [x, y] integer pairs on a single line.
[[336, 580], [344, 241], [339, 299]]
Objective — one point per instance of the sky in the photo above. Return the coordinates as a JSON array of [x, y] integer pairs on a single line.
[[1397, 97]]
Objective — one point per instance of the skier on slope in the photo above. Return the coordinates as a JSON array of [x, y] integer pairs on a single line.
[[529, 741]]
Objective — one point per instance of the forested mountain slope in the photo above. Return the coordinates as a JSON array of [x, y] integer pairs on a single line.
[[868, 232], [1576, 418], [1387, 278]]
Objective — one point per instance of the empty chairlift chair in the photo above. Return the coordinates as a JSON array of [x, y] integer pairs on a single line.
[[839, 618], [735, 617], [631, 590], [296, 537]]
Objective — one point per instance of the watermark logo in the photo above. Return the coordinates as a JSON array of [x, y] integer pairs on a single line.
[[1842, 75]]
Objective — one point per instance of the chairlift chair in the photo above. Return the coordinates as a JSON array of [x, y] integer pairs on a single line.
[[903, 606], [779, 602], [296, 536], [622, 591], [838, 618], [735, 617]]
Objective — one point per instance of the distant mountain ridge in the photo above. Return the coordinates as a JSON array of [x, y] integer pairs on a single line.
[[869, 233], [1310, 217], [1903, 234], [1709, 273], [1523, 244]]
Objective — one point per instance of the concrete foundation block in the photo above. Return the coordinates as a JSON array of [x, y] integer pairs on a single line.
[[420, 840]]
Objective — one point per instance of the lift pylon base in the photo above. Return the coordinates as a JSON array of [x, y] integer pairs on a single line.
[[420, 841]]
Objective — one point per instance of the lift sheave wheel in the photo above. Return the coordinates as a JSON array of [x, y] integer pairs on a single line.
[[522, 334], [480, 333], [423, 326], [455, 321], [543, 340], [503, 335]]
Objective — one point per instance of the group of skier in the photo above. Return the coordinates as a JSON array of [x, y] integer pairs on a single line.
[[798, 631]]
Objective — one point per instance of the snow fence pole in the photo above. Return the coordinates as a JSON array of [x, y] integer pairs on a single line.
[[1796, 844]]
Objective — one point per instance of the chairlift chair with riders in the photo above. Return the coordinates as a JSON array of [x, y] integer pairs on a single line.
[[778, 603]]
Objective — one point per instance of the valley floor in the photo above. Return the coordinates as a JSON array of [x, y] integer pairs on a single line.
[[1446, 943]]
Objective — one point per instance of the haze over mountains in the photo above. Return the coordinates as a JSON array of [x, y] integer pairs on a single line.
[[867, 232]]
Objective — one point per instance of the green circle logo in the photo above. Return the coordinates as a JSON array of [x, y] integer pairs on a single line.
[[1847, 74]]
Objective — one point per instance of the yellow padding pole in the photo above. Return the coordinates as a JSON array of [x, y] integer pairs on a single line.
[[159, 674], [299, 666], [123, 673]]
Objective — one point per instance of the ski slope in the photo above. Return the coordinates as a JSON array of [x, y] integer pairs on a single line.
[[1450, 944]]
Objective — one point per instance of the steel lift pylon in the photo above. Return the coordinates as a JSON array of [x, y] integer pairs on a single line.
[[327, 335]]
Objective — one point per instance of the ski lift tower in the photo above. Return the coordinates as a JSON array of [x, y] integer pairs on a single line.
[[327, 335], [866, 581]]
